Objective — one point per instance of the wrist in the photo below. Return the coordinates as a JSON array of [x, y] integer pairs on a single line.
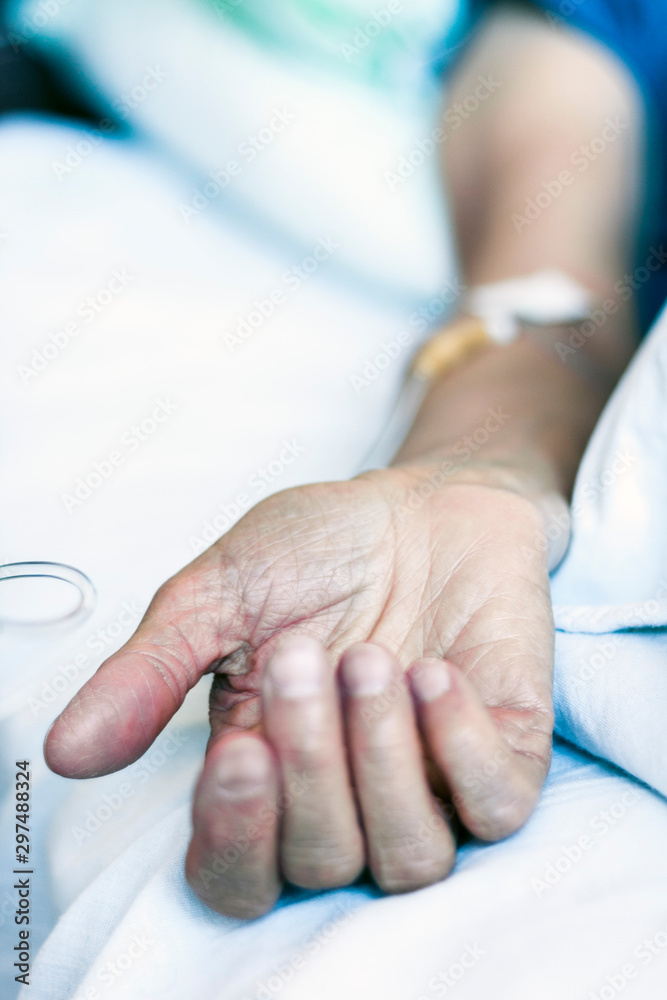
[[509, 410], [531, 478]]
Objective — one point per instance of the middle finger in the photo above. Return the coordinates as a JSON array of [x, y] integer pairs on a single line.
[[321, 841], [409, 843]]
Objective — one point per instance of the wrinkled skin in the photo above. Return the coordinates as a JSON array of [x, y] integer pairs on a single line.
[[370, 660]]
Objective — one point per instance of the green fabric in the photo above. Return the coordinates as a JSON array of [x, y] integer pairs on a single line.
[[377, 40]]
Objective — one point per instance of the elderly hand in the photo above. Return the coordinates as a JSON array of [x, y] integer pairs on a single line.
[[322, 759]]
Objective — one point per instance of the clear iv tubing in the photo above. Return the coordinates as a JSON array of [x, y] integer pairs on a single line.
[[54, 571]]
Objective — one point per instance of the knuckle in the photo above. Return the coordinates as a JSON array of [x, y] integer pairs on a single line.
[[165, 668], [243, 908], [309, 757], [403, 873], [382, 755], [414, 861], [322, 866], [237, 906], [234, 896]]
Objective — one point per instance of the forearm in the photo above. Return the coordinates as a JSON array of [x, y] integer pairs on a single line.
[[556, 92], [514, 407]]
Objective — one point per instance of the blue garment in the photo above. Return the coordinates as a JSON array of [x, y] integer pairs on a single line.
[[636, 30]]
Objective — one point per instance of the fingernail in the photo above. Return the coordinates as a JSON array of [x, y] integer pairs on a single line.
[[366, 671], [243, 767], [297, 670], [431, 680]]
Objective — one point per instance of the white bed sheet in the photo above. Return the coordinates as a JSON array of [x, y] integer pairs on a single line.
[[121, 892]]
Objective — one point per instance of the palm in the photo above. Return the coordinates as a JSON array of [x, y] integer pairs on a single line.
[[349, 562], [343, 564]]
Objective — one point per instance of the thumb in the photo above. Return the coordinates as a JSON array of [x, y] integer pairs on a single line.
[[192, 622]]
